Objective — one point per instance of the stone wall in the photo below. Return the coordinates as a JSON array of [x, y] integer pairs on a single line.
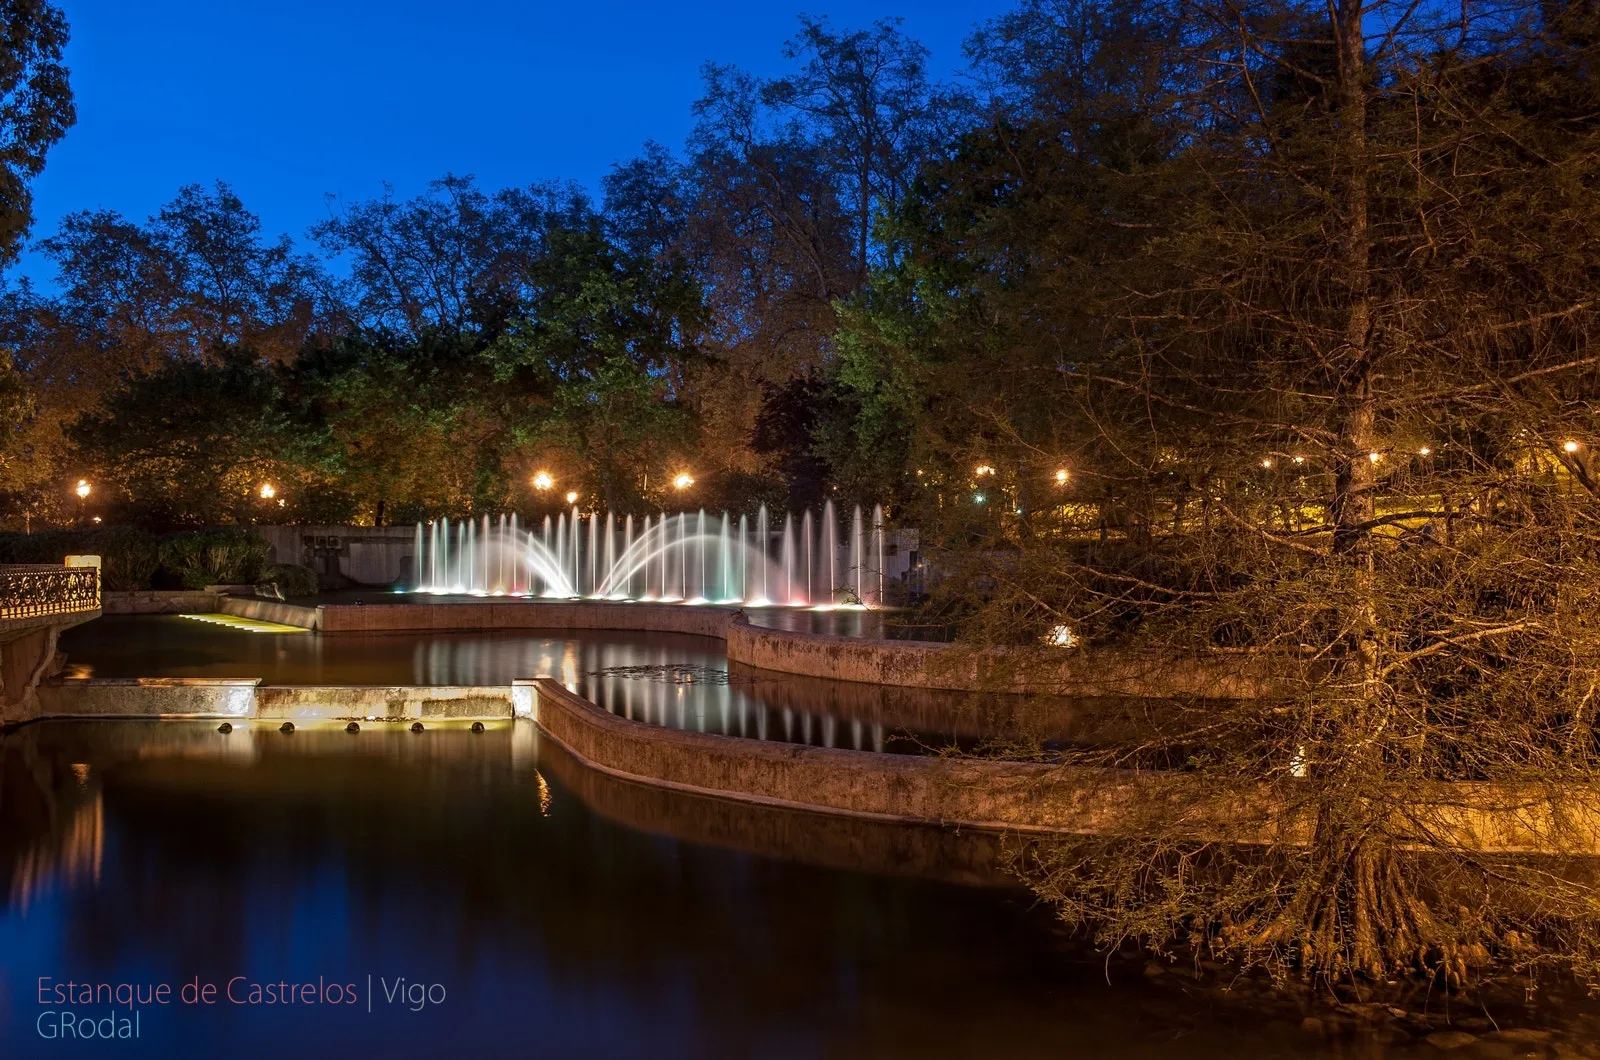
[[1004, 796], [363, 555], [148, 697], [1078, 673], [159, 602], [374, 702], [269, 611], [247, 698]]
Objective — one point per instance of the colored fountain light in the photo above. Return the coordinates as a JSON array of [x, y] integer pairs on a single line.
[[806, 560]]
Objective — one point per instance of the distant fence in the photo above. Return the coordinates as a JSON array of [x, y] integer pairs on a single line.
[[40, 590]]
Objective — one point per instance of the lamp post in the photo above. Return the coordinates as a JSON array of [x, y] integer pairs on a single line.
[[82, 490]]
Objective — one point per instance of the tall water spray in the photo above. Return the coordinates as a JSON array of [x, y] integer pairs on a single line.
[[690, 557]]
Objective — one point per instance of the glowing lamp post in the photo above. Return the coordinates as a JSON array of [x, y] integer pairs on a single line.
[[1062, 476], [83, 491], [572, 496], [267, 492], [543, 482], [682, 481]]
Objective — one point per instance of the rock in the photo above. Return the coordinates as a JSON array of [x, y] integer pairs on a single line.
[[225, 727], [1518, 1034], [1448, 1040], [1366, 1010], [1152, 969], [1312, 1025], [1398, 1013], [477, 726], [416, 726], [287, 726], [352, 727]]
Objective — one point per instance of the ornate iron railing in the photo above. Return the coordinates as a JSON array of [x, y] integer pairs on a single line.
[[39, 590]]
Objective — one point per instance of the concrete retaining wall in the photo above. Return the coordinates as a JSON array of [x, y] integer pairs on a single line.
[[159, 602], [365, 555], [374, 702], [1029, 798], [1004, 796], [269, 611], [148, 697], [906, 664], [246, 697]]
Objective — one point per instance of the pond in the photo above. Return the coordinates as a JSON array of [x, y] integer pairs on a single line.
[[541, 910]]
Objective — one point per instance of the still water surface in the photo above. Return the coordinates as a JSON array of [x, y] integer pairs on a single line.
[[559, 913], [662, 678]]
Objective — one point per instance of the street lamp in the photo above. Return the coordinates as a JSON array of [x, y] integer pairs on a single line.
[[1569, 446], [682, 481], [572, 497], [267, 492], [1061, 477], [83, 489], [542, 481]]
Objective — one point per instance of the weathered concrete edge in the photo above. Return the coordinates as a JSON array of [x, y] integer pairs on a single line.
[[989, 796], [271, 611], [159, 602], [1037, 799], [247, 698], [910, 664]]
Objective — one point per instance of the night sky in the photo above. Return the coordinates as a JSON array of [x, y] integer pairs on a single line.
[[294, 99]]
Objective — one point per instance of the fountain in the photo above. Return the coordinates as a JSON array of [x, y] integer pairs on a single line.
[[684, 557]]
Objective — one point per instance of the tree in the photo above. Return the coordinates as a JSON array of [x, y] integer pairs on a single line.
[[191, 444], [1267, 285], [870, 108], [35, 108], [602, 352], [452, 258]]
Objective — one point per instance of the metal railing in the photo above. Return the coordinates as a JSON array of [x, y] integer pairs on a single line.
[[40, 590]]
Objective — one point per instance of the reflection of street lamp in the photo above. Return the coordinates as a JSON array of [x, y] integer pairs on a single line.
[[682, 481], [542, 481]]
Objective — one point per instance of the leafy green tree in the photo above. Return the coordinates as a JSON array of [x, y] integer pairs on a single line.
[[192, 443], [36, 108]]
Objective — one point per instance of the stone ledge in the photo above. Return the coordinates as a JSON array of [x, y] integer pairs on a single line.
[[905, 664]]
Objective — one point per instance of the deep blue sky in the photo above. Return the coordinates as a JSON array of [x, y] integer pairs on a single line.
[[290, 99]]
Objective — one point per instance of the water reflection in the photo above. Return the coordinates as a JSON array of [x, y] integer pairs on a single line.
[[664, 679], [626, 922]]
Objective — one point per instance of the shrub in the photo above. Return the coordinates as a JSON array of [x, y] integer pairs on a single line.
[[292, 579], [128, 558], [216, 557]]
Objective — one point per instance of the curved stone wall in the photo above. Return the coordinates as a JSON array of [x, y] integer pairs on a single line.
[[905, 664], [1033, 798]]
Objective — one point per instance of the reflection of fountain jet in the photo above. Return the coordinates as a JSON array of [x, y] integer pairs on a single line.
[[681, 558]]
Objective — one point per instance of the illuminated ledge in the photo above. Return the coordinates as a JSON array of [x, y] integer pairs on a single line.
[[248, 625]]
